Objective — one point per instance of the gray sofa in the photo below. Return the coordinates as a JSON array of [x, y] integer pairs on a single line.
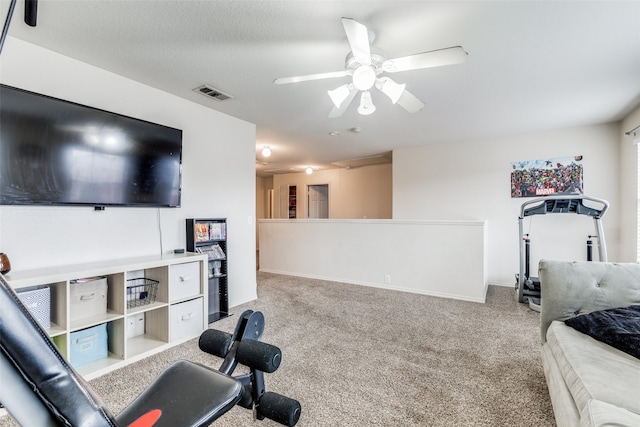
[[590, 383]]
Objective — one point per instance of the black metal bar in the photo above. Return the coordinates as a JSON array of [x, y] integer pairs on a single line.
[[30, 12], [527, 254]]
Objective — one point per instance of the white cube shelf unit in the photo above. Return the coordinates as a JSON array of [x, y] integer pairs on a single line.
[[177, 314]]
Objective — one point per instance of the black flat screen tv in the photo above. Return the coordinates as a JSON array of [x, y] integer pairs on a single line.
[[56, 152]]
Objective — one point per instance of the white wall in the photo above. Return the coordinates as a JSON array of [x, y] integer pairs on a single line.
[[218, 176], [629, 187], [471, 180], [363, 192], [440, 258], [263, 186]]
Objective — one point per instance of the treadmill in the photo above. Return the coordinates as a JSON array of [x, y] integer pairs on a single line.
[[529, 287]]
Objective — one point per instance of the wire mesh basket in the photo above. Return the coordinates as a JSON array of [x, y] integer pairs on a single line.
[[141, 292]]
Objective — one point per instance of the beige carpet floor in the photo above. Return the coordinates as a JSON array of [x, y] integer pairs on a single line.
[[361, 356]]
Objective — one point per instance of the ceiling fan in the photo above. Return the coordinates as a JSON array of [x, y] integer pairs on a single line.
[[366, 63]]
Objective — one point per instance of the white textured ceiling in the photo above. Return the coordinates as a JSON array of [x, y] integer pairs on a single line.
[[532, 65]]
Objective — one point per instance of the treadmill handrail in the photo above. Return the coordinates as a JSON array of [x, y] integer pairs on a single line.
[[599, 213]]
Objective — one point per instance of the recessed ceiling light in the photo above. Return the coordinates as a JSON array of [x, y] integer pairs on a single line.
[[334, 133], [309, 171], [356, 130], [266, 151]]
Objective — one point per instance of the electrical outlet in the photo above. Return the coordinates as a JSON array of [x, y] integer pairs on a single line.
[[387, 279]]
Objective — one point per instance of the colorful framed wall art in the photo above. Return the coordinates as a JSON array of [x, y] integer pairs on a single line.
[[554, 176]]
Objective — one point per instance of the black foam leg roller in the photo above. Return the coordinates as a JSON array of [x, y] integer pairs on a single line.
[[279, 408], [215, 342], [259, 355]]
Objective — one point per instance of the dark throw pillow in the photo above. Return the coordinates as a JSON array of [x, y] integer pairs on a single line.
[[617, 327]]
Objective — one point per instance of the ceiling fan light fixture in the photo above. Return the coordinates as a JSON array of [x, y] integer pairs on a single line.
[[364, 77], [390, 88], [366, 104], [340, 94]]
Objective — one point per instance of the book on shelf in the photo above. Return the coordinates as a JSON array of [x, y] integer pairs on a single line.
[[213, 252], [202, 232], [217, 231]]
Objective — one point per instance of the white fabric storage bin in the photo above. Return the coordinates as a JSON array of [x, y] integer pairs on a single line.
[[185, 281], [135, 325], [38, 302], [88, 297], [186, 319]]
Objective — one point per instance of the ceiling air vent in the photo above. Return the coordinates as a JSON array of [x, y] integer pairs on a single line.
[[214, 93]]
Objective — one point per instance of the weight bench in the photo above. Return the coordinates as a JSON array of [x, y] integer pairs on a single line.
[[40, 388]]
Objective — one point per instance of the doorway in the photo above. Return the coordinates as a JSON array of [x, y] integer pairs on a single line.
[[318, 201]]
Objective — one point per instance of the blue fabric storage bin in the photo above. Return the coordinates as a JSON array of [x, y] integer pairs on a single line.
[[89, 345]]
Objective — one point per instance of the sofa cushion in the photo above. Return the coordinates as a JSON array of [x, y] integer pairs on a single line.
[[594, 370], [602, 414], [618, 327]]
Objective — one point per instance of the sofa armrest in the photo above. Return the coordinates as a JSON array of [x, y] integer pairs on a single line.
[[570, 288]]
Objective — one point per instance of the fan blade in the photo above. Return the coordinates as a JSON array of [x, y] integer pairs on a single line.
[[331, 75], [339, 95], [434, 58], [337, 112], [358, 37], [409, 102]]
